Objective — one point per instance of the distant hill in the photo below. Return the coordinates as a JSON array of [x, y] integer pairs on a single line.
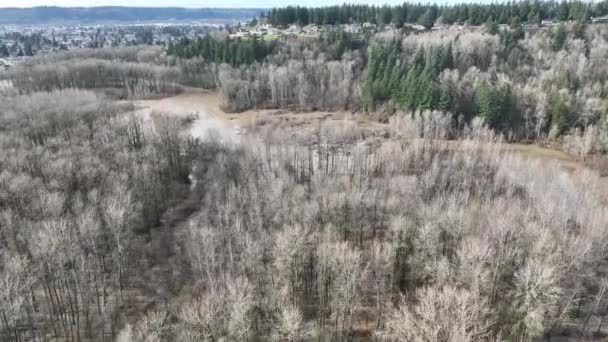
[[45, 15]]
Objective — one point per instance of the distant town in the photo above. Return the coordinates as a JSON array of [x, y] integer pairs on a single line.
[[19, 42]]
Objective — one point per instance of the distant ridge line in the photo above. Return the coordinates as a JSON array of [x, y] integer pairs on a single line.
[[49, 14]]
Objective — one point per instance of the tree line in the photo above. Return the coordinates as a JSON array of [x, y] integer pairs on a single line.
[[303, 74], [128, 80], [231, 51], [427, 14], [246, 51], [415, 85]]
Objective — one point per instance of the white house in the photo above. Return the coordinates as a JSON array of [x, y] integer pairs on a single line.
[[350, 28], [311, 29], [547, 23], [603, 19], [293, 29], [418, 27]]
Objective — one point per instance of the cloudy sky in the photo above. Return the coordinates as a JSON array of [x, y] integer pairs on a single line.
[[185, 3]]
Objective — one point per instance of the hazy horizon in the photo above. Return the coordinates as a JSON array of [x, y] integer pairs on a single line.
[[185, 3]]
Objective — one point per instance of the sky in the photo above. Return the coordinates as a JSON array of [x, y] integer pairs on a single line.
[[186, 3]]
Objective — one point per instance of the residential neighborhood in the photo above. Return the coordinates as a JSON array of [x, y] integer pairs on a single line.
[[18, 42]]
